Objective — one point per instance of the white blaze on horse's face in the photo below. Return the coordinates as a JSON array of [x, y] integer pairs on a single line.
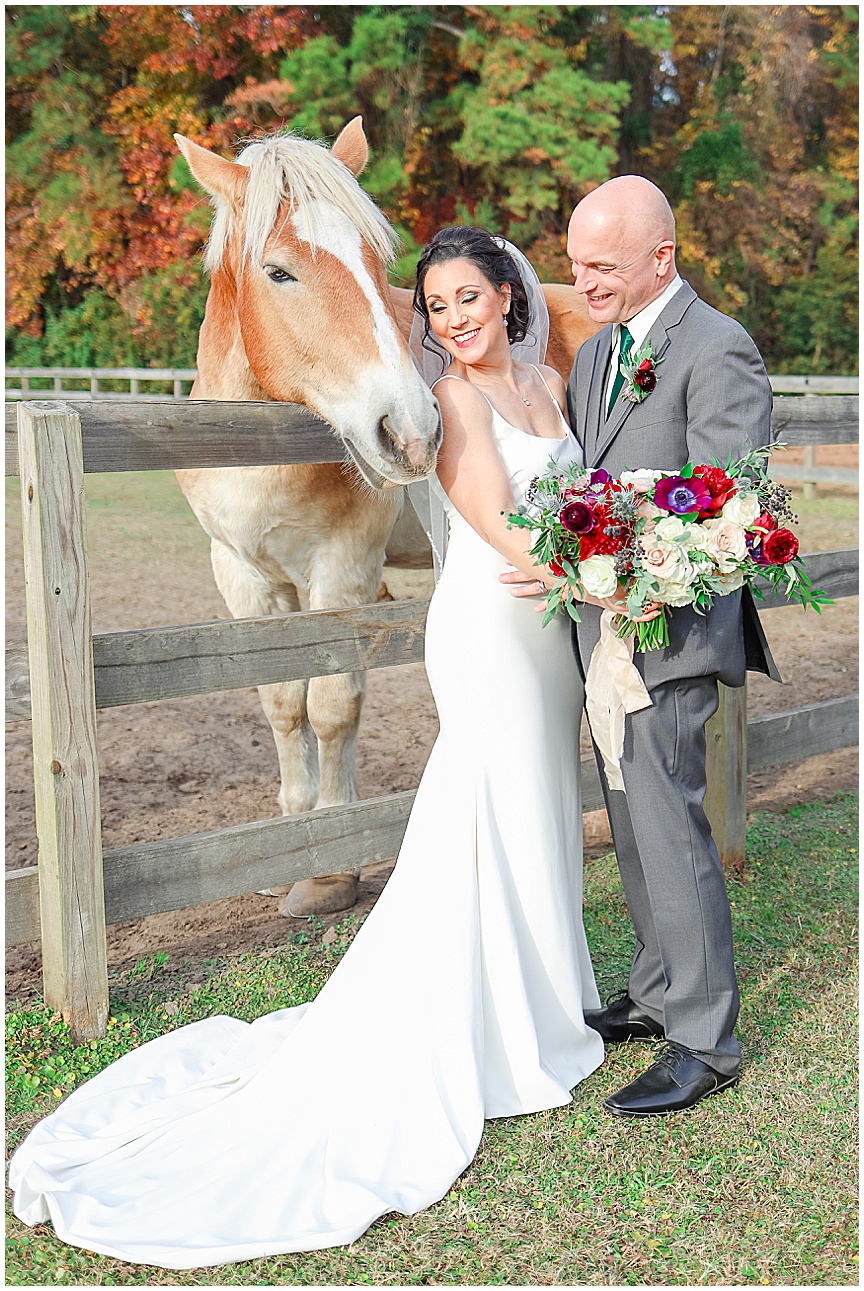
[[298, 255], [373, 395]]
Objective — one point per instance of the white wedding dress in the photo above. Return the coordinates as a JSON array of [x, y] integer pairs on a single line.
[[460, 998]]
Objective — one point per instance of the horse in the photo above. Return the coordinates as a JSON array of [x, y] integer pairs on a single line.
[[300, 310]]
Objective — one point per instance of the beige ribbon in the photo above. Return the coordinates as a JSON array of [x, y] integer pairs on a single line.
[[613, 688]]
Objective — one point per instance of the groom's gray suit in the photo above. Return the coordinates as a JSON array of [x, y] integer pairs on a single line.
[[712, 398]]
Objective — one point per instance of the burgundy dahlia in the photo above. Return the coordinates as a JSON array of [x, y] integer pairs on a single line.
[[577, 517], [681, 496]]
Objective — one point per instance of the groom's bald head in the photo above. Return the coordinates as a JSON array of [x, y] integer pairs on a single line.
[[621, 242]]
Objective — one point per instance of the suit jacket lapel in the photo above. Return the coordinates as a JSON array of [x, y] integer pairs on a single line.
[[660, 341], [594, 404]]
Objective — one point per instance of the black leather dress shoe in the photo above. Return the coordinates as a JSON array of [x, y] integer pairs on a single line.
[[676, 1081], [623, 1020]]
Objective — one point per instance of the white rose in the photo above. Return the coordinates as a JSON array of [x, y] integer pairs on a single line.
[[743, 509], [675, 590], [726, 543], [642, 481], [597, 575], [698, 537], [731, 581], [670, 528]]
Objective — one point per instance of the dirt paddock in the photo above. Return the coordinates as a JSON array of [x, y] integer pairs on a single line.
[[184, 766]]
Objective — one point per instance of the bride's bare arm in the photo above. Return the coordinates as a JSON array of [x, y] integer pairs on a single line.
[[474, 478]]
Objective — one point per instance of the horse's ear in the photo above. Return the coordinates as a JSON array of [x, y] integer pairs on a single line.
[[351, 147], [221, 178]]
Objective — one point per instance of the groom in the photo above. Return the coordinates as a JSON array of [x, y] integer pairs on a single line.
[[711, 399]]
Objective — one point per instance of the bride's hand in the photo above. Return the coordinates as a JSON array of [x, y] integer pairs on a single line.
[[522, 584], [618, 605]]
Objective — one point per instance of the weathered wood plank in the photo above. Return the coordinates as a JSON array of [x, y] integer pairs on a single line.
[[780, 738], [101, 396], [726, 768], [151, 434], [65, 761], [113, 374], [168, 663], [815, 419], [174, 873], [781, 384], [813, 385], [833, 572], [813, 474], [22, 906], [134, 667], [17, 684]]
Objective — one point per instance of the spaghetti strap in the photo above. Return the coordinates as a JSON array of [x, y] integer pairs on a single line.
[[551, 395]]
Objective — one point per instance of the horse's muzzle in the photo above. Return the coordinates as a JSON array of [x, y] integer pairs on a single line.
[[411, 453]]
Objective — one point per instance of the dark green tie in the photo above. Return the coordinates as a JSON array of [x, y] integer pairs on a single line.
[[626, 347]]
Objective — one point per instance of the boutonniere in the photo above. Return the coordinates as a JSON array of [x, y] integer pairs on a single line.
[[640, 373]]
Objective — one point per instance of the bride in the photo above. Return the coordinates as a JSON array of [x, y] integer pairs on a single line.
[[462, 996]]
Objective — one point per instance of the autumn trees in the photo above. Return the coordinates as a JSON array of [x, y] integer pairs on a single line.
[[503, 115]]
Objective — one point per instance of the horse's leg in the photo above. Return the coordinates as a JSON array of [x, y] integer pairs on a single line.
[[334, 705], [284, 703]]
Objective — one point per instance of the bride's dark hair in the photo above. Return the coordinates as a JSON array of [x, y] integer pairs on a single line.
[[493, 261]]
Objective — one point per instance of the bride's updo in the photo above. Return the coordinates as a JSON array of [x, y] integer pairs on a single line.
[[486, 254]]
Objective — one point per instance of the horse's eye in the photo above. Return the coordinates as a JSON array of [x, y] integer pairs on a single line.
[[275, 274]]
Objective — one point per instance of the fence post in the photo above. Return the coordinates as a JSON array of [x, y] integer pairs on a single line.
[[726, 765], [65, 764]]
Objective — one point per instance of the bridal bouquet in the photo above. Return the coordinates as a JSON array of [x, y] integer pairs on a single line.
[[677, 538]]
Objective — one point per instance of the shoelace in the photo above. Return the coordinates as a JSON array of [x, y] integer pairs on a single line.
[[672, 1055], [617, 999]]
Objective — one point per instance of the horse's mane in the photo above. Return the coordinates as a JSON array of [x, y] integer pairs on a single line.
[[304, 171]]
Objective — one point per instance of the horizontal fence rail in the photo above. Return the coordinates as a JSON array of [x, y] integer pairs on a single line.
[[145, 436], [180, 380], [814, 385], [142, 435], [174, 663], [173, 873], [24, 375]]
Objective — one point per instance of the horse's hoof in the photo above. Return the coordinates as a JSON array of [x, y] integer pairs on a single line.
[[319, 896], [384, 594]]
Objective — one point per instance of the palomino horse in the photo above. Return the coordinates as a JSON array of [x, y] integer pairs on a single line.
[[299, 310]]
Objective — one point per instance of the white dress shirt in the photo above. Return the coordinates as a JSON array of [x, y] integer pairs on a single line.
[[638, 326]]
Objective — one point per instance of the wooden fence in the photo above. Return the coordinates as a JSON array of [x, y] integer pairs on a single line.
[[64, 675], [35, 382]]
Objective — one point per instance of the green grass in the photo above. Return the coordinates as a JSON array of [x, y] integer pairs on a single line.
[[755, 1187]]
